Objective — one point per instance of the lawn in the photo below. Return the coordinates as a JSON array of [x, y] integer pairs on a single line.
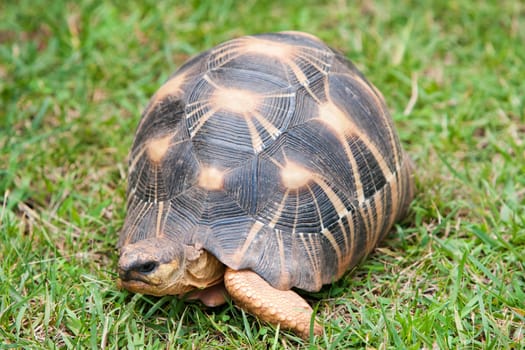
[[75, 77]]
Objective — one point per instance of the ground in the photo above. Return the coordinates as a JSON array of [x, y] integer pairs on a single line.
[[74, 78]]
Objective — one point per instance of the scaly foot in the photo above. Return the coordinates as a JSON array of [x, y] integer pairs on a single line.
[[287, 308]]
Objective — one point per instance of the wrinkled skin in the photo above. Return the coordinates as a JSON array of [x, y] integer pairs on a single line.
[[158, 266]]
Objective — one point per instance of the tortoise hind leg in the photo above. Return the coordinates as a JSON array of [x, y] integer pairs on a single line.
[[274, 306]]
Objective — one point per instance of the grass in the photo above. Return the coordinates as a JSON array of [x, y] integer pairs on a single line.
[[74, 78]]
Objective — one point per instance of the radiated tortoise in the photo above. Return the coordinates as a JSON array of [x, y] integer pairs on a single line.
[[266, 163]]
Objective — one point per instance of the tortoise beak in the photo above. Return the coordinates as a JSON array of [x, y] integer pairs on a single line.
[[123, 275], [127, 275], [137, 270]]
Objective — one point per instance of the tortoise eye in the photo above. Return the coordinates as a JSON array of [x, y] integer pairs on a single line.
[[146, 267]]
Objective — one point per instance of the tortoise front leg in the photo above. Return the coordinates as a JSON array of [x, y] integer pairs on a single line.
[[211, 296], [254, 294]]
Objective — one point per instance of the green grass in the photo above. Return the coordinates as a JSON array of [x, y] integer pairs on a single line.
[[74, 78]]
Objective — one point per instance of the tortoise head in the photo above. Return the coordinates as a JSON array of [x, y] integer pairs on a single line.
[[160, 266]]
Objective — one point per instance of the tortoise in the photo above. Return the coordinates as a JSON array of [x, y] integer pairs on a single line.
[[264, 164]]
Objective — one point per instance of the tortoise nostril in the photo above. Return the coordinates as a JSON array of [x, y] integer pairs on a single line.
[[145, 267]]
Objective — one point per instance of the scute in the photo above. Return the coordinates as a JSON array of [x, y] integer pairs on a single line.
[[365, 110], [275, 154], [301, 59], [155, 180], [225, 134]]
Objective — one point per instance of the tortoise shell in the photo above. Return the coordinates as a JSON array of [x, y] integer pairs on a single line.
[[274, 154]]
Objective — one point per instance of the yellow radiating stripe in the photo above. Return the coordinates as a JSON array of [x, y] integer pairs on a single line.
[[156, 183], [297, 71], [268, 48], [341, 211], [257, 142], [138, 217], [284, 277], [351, 231], [334, 244], [379, 214], [312, 59], [131, 195], [160, 210], [211, 82], [229, 48], [394, 195], [379, 102], [303, 34], [171, 87], [339, 122], [374, 220], [345, 238], [296, 214], [314, 258], [316, 207], [355, 169], [343, 126], [337, 203], [269, 127], [202, 120], [239, 255], [315, 245], [365, 214], [135, 159], [312, 95], [278, 95], [139, 172], [279, 211], [348, 242], [144, 147]]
